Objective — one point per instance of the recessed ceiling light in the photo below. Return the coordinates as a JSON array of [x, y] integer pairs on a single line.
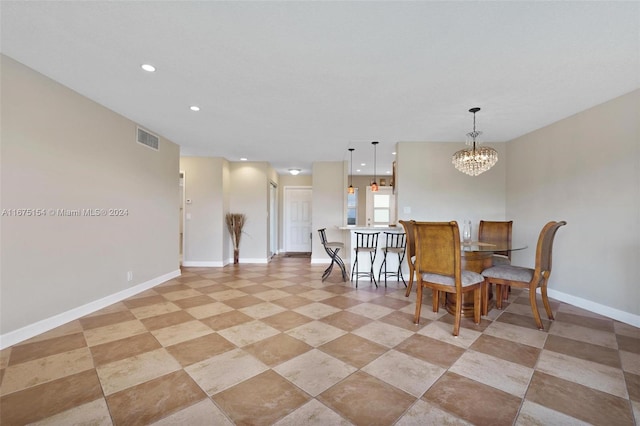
[[393, 153], [148, 67], [243, 159], [294, 171], [194, 108], [363, 164], [358, 170]]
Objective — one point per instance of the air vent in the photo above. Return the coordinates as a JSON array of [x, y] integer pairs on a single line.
[[148, 139]]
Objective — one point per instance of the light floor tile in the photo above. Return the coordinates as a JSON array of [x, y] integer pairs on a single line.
[[262, 310], [248, 333], [405, 372], [202, 413], [109, 333], [313, 413], [532, 414], [225, 370], [584, 334], [498, 373], [587, 373], [270, 295], [425, 413], [535, 338], [129, 372], [95, 413], [370, 310], [316, 310], [181, 332], [208, 310], [316, 333], [630, 362], [42, 370], [444, 332], [382, 333], [154, 310], [314, 371]]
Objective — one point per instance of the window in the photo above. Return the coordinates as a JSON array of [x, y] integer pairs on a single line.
[[352, 207]]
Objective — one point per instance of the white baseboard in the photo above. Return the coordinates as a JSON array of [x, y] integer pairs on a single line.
[[201, 264], [29, 331], [607, 311]]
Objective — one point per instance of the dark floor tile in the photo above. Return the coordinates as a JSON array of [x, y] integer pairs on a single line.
[[30, 351], [583, 350], [96, 321], [153, 400], [584, 403], [199, 349], [473, 401], [431, 350], [507, 350], [123, 348], [47, 399], [226, 320], [260, 400]]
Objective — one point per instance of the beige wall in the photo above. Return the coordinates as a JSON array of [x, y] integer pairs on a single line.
[[584, 169], [430, 188], [61, 150], [328, 210], [249, 194], [205, 227]]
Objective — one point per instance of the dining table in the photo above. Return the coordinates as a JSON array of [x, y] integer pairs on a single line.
[[478, 256]]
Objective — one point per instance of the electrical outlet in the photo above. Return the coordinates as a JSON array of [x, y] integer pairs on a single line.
[[130, 276]]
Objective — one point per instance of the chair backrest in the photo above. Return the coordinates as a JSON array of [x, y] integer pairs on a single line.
[[438, 248], [545, 246], [395, 240], [495, 233], [323, 236], [411, 241], [367, 240]]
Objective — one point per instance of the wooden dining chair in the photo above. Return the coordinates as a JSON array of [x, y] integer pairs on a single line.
[[439, 267], [496, 232], [411, 251], [531, 279]]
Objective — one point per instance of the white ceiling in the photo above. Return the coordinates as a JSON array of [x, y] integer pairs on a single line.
[[295, 82]]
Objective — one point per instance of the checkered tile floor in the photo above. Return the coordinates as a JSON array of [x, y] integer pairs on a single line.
[[272, 344]]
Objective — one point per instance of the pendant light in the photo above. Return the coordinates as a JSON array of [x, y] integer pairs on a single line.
[[351, 190], [374, 184]]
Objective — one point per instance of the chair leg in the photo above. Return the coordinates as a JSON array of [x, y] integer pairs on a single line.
[[436, 304], [485, 297], [354, 269], [416, 318], [477, 303], [534, 307], [498, 295], [458, 315], [545, 299], [408, 292]]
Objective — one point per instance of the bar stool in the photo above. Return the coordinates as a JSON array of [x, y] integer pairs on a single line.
[[332, 248], [396, 242], [366, 242]]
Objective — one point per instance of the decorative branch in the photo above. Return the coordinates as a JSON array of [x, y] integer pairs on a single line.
[[235, 222]]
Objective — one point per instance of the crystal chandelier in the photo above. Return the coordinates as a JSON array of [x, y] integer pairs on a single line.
[[477, 159]]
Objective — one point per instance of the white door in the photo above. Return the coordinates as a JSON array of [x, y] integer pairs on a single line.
[[297, 219]]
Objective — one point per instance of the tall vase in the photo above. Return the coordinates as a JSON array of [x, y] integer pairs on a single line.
[[236, 255], [466, 231]]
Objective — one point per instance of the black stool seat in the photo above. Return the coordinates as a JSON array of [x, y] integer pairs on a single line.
[[332, 248]]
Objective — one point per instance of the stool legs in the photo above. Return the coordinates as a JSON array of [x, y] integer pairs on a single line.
[[370, 274], [397, 273], [333, 254]]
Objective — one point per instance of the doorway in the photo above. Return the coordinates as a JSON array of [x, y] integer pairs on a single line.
[[273, 219], [181, 182], [297, 219]]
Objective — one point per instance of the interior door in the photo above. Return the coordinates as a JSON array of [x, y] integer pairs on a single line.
[[381, 207], [297, 219]]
